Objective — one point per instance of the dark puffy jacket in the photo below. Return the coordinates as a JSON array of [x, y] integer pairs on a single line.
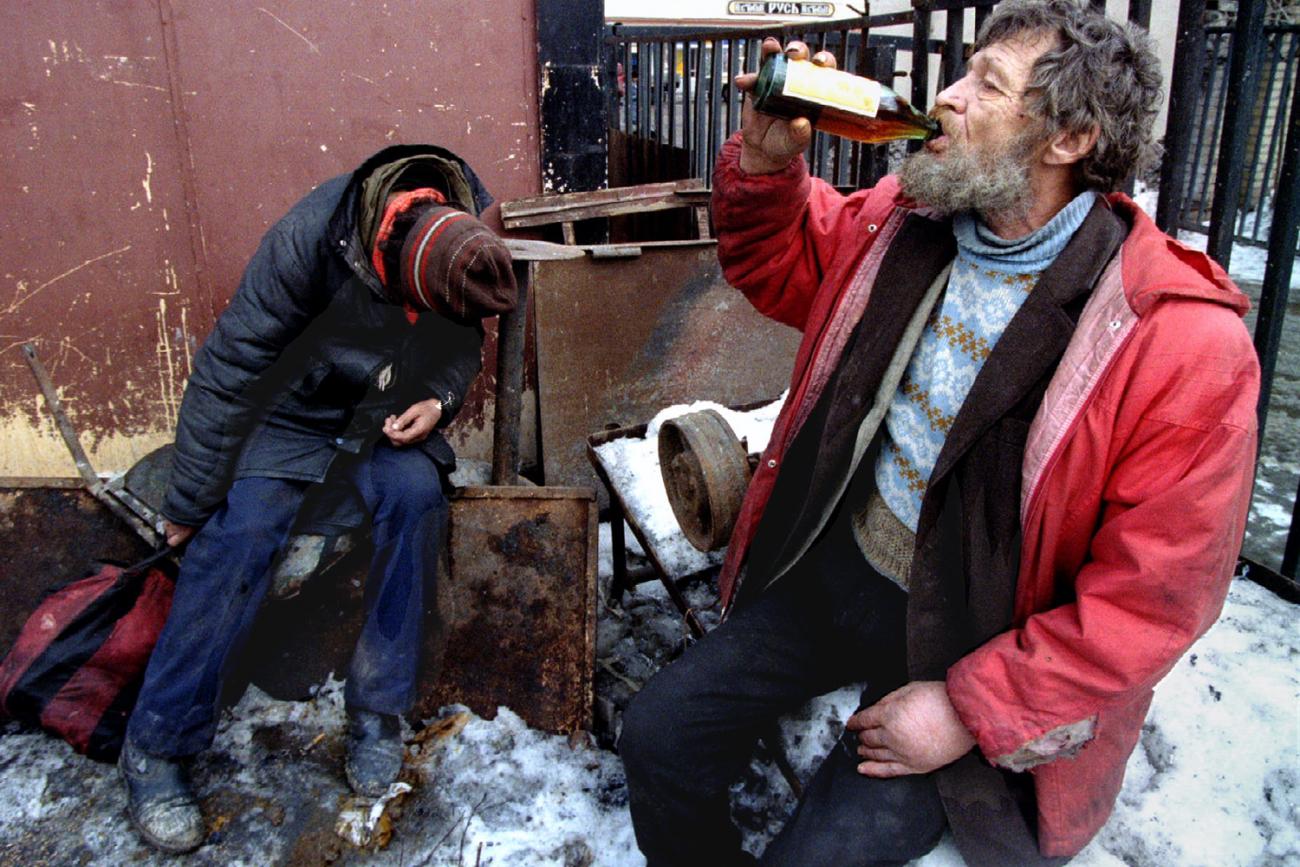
[[310, 357]]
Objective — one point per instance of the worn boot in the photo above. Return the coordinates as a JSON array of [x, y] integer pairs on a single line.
[[161, 803], [374, 751]]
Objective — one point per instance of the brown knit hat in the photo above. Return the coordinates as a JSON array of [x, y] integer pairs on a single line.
[[453, 264]]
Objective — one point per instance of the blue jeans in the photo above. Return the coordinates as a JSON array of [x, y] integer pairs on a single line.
[[226, 573]]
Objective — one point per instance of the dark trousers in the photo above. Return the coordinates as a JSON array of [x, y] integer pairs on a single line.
[[226, 573], [691, 730]]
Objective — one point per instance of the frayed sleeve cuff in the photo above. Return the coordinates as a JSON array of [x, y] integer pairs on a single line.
[[1062, 742]]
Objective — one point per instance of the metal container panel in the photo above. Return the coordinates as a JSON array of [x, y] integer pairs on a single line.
[[147, 147], [620, 339]]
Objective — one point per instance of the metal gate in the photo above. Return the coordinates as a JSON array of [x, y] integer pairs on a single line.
[[674, 105], [1267, 131]]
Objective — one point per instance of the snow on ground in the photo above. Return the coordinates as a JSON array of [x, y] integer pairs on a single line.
[[1215, 780]]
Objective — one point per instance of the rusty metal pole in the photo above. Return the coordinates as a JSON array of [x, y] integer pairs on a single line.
[[94, 484], [510, 383]]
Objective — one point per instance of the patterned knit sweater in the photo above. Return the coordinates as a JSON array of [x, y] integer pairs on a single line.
[[991, 277]]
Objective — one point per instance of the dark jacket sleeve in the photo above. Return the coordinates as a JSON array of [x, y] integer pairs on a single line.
[[447, 363], [280, 293]]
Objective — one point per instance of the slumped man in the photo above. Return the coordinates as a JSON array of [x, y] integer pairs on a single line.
[[350, 342]]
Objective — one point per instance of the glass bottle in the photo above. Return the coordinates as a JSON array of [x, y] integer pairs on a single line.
[[839, 103]]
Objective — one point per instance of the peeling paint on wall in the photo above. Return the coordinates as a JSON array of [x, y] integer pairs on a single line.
[[28, 449], [278, 20], [169, 388], [22, 294], [148, 177]]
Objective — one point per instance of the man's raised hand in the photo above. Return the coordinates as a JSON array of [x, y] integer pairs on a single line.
[[769, 143]]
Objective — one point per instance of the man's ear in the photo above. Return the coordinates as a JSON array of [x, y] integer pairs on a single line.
[[1068, 147]]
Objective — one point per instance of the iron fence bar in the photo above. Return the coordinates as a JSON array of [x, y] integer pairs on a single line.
[[690, 119], [633, 74], [953, 46], [1211, 105], [650, 50], [645, 129], [702, 160], [733, 94], [665, 92], [672, 91], [1189, 54], [647, 88], [716, 134], [609, 73], [1276, 144], [820, 148], [1139, 12], [658, 123], [884, 60], [711, 142], [1281, 260], [669, 91], [841, 62], [649, 93], [920, 60], [1291, 554], [981, 15], [862, 65], [627, 88], [702, 121], [1255, 196], [1243, 72]]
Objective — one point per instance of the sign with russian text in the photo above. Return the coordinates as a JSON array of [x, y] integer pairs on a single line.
[[770, 7]]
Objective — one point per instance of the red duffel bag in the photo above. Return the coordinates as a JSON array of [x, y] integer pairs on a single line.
[[79, 660]]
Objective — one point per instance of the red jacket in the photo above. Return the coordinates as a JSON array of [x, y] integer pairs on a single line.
[[1136, 474]]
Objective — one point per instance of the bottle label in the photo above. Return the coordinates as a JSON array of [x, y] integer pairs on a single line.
[[851, 93]]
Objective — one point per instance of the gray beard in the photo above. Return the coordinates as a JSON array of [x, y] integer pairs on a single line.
[[963, 180]]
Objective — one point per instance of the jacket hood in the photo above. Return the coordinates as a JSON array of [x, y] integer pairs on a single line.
[[345, 225], [1156, 267]]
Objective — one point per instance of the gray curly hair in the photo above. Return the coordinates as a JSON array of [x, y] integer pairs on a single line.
[[1101, 74]]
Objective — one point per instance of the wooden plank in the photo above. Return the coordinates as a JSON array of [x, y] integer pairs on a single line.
[[570, 207], [526, 250]]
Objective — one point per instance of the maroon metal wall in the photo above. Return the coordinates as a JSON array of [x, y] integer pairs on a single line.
[[146, 146]]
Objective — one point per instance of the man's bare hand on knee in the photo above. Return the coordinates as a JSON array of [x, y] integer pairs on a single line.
[[913, 730]]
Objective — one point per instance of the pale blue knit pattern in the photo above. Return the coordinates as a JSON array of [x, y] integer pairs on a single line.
[[990, 279]]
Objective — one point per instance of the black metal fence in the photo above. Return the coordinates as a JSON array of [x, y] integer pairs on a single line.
[[675, 104], [1267, 128], [1232, 146]]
